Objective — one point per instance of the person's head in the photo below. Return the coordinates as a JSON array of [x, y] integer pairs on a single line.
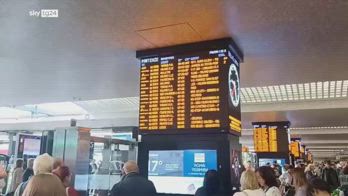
[[130, 167], [57, 163], [64, 175], [300, 179], [266, 177], [327, 163], [286, 167], [30, 163], [333, 165], [291, 169], [248, 165], [19, 163], [248, 181], [43, 164], [211, 181], [319, 187], [309, 168]]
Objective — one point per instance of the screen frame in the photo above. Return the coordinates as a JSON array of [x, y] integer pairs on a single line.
[[270, 159], [217, 142], [231, 47], [202, 177], [282, 135], [270, 155], [36, 140]]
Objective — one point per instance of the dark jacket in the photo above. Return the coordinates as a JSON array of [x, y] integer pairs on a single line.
[[133, 185], [203, 192], [27, 174], [329, 175], [310, 175]]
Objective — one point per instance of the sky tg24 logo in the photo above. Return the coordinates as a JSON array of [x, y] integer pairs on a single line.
[[44, 13]]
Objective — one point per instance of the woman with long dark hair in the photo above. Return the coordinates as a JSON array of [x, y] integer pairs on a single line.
[[268, 181], [211, 184]]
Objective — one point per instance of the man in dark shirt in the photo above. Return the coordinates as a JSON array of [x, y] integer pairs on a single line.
[[29, 171], [330, 176], [132, 184]]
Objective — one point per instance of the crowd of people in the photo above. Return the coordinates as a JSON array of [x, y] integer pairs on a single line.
[[43, 176], [46, 176], [320, 179]]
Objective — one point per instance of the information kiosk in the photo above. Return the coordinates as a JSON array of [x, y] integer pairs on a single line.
[[190, 115], [271, 142]]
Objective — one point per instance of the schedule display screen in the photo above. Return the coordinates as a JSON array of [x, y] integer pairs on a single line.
[[271, 137], [295, 148], [270, 162], [186, 92], [265, 139], [180, 171], [32, 146]]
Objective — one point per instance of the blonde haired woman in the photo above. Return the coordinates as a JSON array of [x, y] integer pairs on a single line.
[[300, 182], [43, 183], [249, 185]]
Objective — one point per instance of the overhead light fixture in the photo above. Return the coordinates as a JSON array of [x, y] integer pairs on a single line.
[[13, 113], [56, 109], [294, 92]]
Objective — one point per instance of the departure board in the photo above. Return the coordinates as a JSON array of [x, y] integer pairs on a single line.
[[302, 149], [309, 157], [265, 139], [295, 148], [189, 91], [270, 137]]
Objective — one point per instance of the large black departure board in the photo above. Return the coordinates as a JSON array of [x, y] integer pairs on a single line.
[[189, 89], [271, 136]]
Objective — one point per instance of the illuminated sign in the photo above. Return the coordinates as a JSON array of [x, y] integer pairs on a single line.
[[271, 137], [309, 157], [265, 139], [185, 90], [295, 148], [245, 149], [303, 149]]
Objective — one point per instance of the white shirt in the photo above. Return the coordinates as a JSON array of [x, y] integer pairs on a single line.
[[285, 178], [257, 192], [273, 191]]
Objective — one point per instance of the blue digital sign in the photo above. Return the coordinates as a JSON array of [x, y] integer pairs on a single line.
[[184, 167], [198, 162]]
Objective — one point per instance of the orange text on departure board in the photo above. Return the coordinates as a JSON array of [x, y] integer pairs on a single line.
[[265, 139], [180, 93]]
